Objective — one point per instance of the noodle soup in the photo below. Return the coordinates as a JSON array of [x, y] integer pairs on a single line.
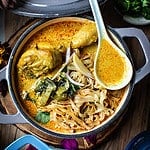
[[56, 80]]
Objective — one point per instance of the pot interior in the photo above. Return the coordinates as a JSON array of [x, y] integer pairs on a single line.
[[113, 109]]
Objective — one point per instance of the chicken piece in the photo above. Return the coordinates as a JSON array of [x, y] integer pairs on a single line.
[[46, 45], [85, 36], [35, 62]]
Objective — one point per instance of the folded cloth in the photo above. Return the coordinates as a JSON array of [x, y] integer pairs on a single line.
[[7, 4]]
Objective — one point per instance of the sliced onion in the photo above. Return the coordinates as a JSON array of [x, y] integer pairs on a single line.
[[72, 81], [81, 67]]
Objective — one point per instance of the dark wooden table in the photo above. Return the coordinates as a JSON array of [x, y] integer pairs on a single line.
[[137, 118]]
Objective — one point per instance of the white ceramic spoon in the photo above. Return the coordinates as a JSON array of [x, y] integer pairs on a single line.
[[112, 68]]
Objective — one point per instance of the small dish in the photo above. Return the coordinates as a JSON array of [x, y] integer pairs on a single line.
[[139, 20], [26, 141], [140, 142], [136, 20]]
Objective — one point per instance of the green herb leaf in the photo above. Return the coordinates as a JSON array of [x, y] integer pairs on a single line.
[[72, 89], [146, 12], [134, 8], [42, 117]]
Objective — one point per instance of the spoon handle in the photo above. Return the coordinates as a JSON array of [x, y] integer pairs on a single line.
[[98, 18]]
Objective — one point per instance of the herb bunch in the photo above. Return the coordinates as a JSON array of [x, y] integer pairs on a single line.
[[134, 8]]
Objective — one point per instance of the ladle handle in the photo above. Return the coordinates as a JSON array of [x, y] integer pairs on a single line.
[[98, 18], [145, 44]]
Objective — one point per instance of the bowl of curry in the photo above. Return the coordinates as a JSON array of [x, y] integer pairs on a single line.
[[51, 80]]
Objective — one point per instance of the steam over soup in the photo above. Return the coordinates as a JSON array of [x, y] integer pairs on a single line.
[[61, 95]]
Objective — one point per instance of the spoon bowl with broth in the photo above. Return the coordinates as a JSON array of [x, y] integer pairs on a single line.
[[112, 68]]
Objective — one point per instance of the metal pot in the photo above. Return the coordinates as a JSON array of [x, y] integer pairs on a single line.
[[118, 34]]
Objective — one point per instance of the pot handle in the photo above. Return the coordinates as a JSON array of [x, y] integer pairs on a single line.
[[145, 44], [3, 73], [6, 118], [11, 119]]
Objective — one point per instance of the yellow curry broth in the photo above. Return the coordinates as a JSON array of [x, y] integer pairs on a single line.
[[110, 64], [57, 34], [30, 107]]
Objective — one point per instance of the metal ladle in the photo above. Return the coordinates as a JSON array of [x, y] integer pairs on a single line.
[[102, 35]]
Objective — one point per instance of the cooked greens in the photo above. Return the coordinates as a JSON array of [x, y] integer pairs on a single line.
[[64, 88], [134, 8], [45, 86], [40, 91], [45, 89]]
